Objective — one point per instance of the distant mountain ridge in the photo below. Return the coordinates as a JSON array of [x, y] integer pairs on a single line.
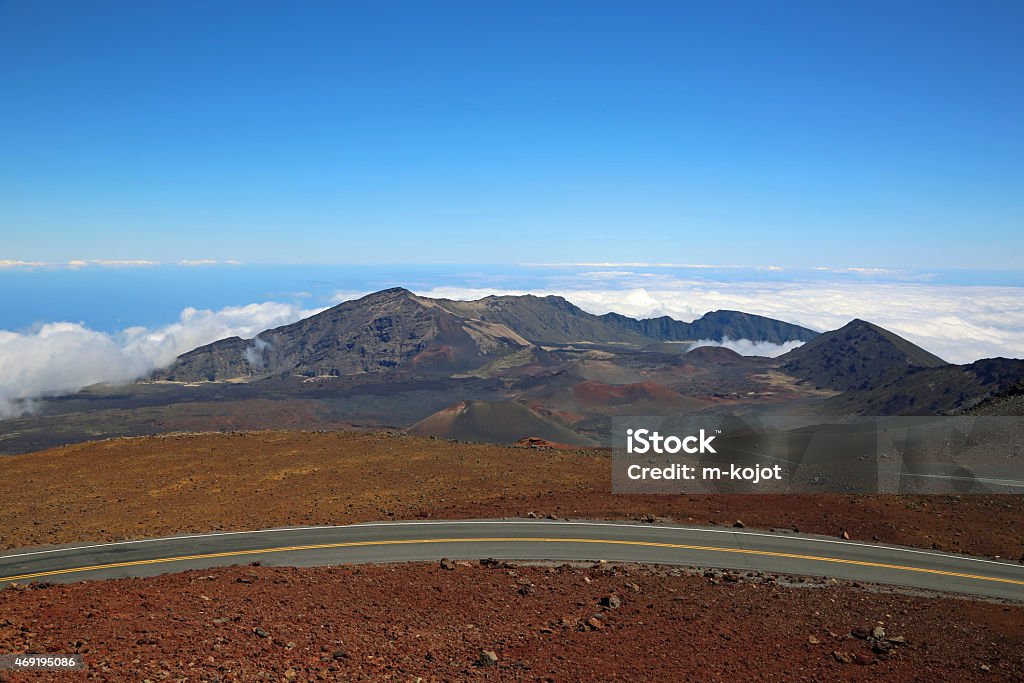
[[396, 329], [716, 326]]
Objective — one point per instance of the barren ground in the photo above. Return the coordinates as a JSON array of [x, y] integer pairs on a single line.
[[152, 486], [394, 622]]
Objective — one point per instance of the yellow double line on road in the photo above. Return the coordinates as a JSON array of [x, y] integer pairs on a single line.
[[364, 544]]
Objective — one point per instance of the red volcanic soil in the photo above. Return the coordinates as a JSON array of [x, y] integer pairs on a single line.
[[592, 394], [158, 486], [481, 621]]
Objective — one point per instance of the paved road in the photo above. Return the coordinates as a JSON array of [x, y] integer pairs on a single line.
[[525, 540]]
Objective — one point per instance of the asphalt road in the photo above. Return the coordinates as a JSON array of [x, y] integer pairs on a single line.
[[525, 540]]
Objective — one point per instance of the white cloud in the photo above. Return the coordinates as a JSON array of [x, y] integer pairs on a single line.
[[62, 357], [959, 323], [639, 264], [75, 264], [745, 347], [15, 263], [124, 263]]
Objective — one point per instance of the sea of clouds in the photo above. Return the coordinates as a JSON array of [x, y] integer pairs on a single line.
[[63, 357], [959, 323]]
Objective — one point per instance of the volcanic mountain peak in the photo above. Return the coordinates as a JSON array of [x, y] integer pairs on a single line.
[[384, 330], [858, 355], [867, 336], [398, 329]]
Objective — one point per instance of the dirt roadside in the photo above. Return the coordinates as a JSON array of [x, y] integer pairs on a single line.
[[601, 622]]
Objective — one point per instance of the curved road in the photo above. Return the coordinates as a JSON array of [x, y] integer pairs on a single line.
[[525, 540]]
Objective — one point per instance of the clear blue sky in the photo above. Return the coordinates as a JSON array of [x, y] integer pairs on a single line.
[[867, 133]]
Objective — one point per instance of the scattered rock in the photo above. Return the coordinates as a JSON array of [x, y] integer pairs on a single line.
[[878, 633], [260, 632], [633, 587], [738, 524], [447, 564], [842, 657], [861, 633], [813, 640], [487, 658], [844, 536], [595, 624], [611, 601], [493, 563]]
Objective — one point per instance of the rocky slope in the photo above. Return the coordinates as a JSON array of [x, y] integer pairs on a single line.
[[857, 356], [389, 329], [494, 621], [542, 320], [985, 387]]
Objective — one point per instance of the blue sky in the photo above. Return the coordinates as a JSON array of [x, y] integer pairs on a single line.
[[797, 134]]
